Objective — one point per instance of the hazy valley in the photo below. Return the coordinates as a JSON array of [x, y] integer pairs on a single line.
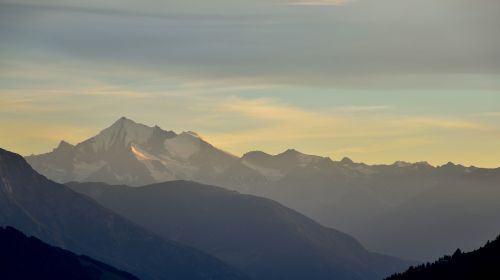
[[454, 203]]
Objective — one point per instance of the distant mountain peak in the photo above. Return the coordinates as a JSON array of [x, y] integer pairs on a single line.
[[255, 153], [401, 163], [123, 121], [290, 152], [138, 130], [346, 160], [123, 132], [63, 145], [132, 153], [423, 163]]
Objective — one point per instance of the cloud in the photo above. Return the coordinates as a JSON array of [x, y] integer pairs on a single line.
[[320, 2], [319, 79], [443, 123], [488, 114], [384, 146], [367, 109], [373, 44], [274, 122]]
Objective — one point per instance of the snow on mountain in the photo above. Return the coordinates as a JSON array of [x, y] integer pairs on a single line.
[[183, 145], [122, 132], [131, 153], [155, 165]]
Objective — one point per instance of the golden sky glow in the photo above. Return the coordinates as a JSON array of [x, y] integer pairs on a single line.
[[373, 134], [377, 81]]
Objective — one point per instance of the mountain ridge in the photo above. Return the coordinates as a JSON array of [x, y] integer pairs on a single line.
[[259, 236], [23, 257], [61, 217]]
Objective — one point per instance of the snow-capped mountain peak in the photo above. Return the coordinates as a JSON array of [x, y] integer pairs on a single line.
[[64, 146], [132, 153], [123, 132]]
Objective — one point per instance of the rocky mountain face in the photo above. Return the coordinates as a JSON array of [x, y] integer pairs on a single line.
[[61, 217], [134, 154], [256, 235]]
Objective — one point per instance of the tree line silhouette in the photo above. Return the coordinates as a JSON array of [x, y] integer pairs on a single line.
[[481, 264]]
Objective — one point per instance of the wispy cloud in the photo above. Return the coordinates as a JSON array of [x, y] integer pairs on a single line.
[[206, 39], [279, 122], [368, 109], [320, 2], [488, 114], [384, 146], [442, 123]]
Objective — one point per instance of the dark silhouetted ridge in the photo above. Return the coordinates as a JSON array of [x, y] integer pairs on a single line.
[[482, 264], [23, 257]]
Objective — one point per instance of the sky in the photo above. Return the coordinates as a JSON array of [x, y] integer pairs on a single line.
[[374, 80]]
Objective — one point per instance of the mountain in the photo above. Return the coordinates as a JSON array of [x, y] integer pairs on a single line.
[[464, 213], [482, 264], [63, 218], [135, 154], [342, 194], [261, 237], [23, 257], [398, 209]]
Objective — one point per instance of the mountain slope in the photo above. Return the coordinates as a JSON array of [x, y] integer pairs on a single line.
[[64, 218], [23, 257], [483, 264], [256, 235], [387, 207], [464, 213]]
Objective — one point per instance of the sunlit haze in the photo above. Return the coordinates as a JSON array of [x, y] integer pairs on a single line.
[[376, 81]]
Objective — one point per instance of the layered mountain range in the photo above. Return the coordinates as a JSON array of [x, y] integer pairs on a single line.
[[61, 217], [385, 206], [258, 236], [181, 230]]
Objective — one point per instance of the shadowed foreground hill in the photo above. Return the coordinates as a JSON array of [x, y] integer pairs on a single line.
[[482, 264], [259, 236], [23, 257], [63, 218]]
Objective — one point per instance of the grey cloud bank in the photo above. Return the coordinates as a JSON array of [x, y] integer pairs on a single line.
[[363, 43]]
